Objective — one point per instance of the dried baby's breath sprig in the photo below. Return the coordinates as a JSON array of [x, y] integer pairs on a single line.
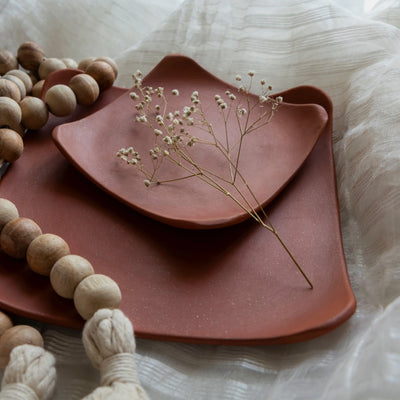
[[174, 140]]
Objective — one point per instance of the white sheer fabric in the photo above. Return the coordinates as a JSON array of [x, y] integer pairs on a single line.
[[354, 55]]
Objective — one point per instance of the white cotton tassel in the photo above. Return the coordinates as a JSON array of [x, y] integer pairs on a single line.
[[109, 341], [30, 374]]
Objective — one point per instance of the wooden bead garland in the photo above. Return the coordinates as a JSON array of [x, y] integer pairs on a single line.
[[47, 254], [18, 110]]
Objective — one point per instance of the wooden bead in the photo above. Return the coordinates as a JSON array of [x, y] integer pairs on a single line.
[[30, 55], [25, 78], [18, 82], [102, 73], [44, 251], [83, 64], [7, 61], [8, 212], [50, 65], [67, 273], [85, 88], [70, 62], [10, 112], [17, 235], [10, 89], [111, 62], [16, 336], [61, 100], [37, 89], [5, 323], [95, 292], [34, 113], [11, 145]]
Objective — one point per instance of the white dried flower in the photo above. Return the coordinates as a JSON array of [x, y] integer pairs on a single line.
[[262, 82], [217, 97], [175, 92], [134, 96], [251, 73], [157, 132], [147, 183], [167, 140], [238, 78], [166, 153], [232, 96], [279, 99]]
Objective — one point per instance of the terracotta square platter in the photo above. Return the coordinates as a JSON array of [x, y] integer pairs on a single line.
[[191, 266]]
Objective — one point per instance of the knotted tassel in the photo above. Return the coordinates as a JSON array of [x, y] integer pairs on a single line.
[[29, 375], [109, 341]]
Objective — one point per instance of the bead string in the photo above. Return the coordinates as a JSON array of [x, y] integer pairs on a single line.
[[108, 334], [21, 106]]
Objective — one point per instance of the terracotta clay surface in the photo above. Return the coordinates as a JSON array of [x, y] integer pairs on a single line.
[[269, 158], [234, 285]]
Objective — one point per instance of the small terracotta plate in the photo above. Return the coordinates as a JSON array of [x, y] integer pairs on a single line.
[[269, 157]]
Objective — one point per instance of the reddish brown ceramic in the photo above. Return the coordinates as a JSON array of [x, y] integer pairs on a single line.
[[233, 285], [269, 158]]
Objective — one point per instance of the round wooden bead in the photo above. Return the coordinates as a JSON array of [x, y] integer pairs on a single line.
[[10, 112], [61, 100], [37, 89], [67, 273], [83, 64], [34, 113], [50, 65], [85, 88], [8, 212], [111, 62], [5, 323], [103, 73], [25, 78], [70, 62], [16, 336], [11, 145], [17, 235], [44, 251], [95, 292], [18, 82], [10, 89], [30, 55], [7, 61]]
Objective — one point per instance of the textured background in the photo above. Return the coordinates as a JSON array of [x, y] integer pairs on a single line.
[[349, 50]]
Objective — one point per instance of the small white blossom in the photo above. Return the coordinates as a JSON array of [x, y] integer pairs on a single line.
[[147, 183], [175, 92], [262, 82], [238, 78], [167, 140], [133, 95], [157, 132], [251, 73], [279, 99]]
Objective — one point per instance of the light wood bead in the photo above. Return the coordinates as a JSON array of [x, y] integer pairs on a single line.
[[111, 62], [69, 62], [7, 61], [30, 55], [37, 89], [85, 88], [17, 336], [83, 64], [17, 235], [95, 292], [44, 251], [11, 145], [61, 100], [34, 113], [10, 112], [8, 212], [67, 273], [10, 89], [18, 82], [5, 323], [50, 65], [25, 78], [103, 73]]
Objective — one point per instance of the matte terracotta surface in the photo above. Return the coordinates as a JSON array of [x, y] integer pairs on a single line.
[[269, 158], [233, 285]]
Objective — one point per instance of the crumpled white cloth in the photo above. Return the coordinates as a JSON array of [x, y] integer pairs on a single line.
[[352, 54]]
